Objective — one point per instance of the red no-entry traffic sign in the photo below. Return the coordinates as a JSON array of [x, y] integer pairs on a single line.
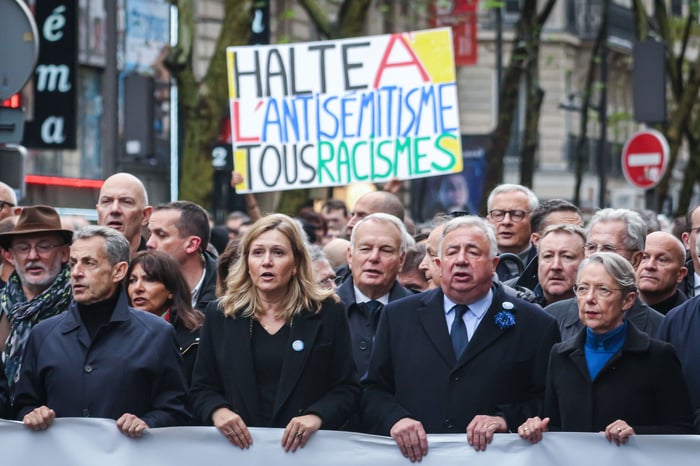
[[644, 158]]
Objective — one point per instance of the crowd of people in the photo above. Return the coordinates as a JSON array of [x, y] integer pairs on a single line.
[[530, 319]]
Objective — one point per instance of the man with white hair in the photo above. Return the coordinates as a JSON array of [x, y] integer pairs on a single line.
[[462, 357], [660, 272], [376, 253]]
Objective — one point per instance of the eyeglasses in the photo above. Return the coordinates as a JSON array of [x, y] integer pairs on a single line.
[[41, 249], [599, 291], [591, 248], [327, 283], [515, 215], [4, 204]]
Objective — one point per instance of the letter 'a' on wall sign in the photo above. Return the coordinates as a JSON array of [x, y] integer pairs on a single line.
[[366, 109], [54, 123]]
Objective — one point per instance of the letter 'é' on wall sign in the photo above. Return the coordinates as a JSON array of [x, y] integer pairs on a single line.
[[336, 112], [644, 158]]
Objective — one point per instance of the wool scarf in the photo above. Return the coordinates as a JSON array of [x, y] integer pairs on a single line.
[[25, 314]]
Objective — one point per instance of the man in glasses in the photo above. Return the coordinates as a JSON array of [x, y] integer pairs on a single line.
[[623, 232], [509, 208], [39, 287]]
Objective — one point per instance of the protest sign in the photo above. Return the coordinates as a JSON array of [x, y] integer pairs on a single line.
[[336, 112]]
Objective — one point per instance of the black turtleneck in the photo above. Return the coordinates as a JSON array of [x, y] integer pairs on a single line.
[[96, 315]]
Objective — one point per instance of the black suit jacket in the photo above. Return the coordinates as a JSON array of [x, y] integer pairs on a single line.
[[642, 384], [318, 379], [413, 372], [361, 325]]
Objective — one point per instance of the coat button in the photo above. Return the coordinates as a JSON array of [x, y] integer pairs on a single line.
[[86, 413], [363, 345], [87, 368], [448, 423]]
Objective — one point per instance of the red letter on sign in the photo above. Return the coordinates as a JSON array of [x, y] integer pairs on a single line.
[[237, 128], [414, 61]]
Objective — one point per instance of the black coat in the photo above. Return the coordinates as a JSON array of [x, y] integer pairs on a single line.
[[413, 372], [641, 384], [360, 323], [319, 379]]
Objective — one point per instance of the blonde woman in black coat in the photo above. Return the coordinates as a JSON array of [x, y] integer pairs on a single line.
[[275, 349]]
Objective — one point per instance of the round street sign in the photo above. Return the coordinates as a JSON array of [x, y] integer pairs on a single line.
[[644, 158], [20, 46]]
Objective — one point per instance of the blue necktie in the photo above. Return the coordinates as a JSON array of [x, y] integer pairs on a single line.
[[458, 331], [374, 307]]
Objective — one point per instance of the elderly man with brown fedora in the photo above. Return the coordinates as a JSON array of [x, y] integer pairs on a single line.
[[39, 287]]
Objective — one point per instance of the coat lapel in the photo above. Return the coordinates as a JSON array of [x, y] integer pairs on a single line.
[[487, 332], [432, 318], [304, 330], [239, 356]]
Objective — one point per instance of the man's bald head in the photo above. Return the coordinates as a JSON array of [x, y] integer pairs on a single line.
[[123, 205], [374, 202]]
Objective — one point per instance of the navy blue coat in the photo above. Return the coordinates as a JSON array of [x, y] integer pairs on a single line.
[[413, 372], [681, 328], [132, 366]]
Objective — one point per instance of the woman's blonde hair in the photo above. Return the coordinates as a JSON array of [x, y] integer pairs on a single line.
[[241, 297]]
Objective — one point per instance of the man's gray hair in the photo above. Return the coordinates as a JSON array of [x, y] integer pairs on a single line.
[[532, 200], [619, 269], [635, 228], [381, 217], [316, 252], [471, 221], [116, 245], [569, 228]]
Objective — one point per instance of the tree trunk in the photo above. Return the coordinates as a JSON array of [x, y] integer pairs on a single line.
[[581, 144], [527, 36], [531, 137], [203, 104]]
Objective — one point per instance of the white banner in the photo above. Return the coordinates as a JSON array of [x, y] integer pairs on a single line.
[[75, 442]]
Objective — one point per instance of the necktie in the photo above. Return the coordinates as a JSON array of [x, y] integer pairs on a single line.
[[374, 306], [458, 331]]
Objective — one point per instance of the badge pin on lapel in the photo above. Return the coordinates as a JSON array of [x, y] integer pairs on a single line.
[[298, 345]]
